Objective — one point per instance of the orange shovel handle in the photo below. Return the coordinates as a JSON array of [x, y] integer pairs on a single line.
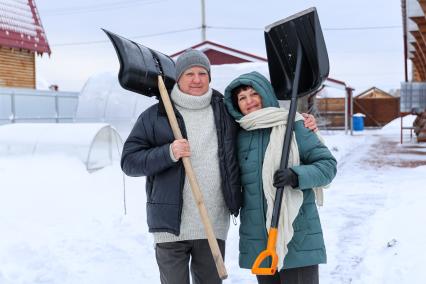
[[269, 252]]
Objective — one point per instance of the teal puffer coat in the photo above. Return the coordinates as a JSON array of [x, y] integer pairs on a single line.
[[317, 168]]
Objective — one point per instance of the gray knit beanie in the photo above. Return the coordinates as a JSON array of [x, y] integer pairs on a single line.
[[190, 58]]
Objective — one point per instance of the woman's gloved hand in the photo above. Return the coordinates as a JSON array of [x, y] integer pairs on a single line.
[[283, 177]]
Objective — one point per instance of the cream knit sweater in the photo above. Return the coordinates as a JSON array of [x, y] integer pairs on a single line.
[[201, 131]]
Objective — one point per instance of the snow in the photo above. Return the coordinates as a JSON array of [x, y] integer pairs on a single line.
[[16, 15], [94, 144], [61, 224], [332, 92]]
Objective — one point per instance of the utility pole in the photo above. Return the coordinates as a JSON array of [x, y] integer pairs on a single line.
[[404, 33], [203, 21]]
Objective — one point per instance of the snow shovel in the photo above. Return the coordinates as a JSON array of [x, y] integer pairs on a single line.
[[142, 71], [298, 65]]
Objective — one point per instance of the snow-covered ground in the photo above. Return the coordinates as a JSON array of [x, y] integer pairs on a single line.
[[61, 224]]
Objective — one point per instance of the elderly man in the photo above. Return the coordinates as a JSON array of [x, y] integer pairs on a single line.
[[151, 151]]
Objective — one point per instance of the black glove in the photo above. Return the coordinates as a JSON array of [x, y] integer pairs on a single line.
[[285, 177]]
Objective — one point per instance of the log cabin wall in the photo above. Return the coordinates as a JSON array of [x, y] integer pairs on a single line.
[[17, 68]]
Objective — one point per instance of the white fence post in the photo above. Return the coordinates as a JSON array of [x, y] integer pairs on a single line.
[[12, 107]]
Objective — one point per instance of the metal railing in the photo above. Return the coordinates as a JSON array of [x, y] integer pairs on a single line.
[[28, 105]]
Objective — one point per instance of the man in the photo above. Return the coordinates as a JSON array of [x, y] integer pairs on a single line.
[[151, 151]]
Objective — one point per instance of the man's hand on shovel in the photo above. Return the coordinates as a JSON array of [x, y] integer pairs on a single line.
[[180, 148]]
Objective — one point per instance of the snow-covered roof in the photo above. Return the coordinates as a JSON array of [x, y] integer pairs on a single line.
[[374, 92], [330, 92], [20, 26], [333, 89], [215, 50]]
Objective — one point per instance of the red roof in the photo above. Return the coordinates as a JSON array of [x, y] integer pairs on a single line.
[[219, 54], [20, 26]]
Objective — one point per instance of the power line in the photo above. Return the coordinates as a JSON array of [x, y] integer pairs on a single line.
[[234, 28], [325, 29], [210, 27], [189, 29], [132, 37], [363, 28]]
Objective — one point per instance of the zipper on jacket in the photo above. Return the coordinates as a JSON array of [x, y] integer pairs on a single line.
[[220, 128], [262, 201], [248, 149], [181, 124]]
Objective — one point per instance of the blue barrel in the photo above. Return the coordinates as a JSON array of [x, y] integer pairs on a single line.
[[358, 121]]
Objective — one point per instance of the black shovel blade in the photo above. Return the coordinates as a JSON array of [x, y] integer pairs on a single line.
[[281, 40], [140, 66]]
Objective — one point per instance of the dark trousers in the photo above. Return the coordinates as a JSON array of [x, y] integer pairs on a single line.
[[300, 275], [175, 259]]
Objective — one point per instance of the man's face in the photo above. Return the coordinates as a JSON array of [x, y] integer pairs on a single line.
[[249, 100], [194, 81]]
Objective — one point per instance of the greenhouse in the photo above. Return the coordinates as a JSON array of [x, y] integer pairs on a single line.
[[96, 144]]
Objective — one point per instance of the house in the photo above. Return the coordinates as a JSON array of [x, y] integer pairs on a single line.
[[220, 54], [21, 38], [378, 106]]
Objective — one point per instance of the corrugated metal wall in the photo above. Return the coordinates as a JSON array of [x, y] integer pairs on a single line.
[[28, 105], [413, 96]]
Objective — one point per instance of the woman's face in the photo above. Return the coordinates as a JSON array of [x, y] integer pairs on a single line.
[[249, 100]]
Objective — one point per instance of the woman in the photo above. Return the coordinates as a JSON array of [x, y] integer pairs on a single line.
[[250, 99]]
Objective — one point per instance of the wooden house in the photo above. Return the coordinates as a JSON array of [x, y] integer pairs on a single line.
[[21, 38], [378, 106]]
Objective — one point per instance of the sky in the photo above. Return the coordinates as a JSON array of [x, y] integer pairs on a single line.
[[62, 224], [363, 38]]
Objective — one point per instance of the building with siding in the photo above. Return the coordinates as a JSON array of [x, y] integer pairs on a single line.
[[21, 38]]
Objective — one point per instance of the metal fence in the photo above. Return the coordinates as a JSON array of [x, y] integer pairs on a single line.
[[27, 105], [413, 96]]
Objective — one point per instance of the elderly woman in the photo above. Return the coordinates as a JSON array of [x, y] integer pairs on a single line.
[[250, 99]]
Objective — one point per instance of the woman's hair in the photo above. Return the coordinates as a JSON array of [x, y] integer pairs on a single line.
[[234, 94]]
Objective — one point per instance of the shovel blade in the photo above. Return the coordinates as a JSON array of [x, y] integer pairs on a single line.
[[281, 40], [140, 66]]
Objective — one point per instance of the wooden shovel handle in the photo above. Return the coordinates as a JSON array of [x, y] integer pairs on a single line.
[[196, 192]]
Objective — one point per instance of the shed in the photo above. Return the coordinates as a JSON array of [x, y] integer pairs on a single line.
[[330, 103], [21, 38], [219, 54], [378, 106]]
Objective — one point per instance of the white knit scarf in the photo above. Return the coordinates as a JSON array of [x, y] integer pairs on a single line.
[[276, 118]]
